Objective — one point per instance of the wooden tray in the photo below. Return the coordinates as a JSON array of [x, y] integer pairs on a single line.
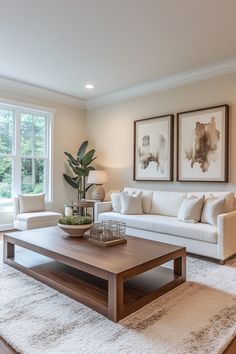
[[108, 243]]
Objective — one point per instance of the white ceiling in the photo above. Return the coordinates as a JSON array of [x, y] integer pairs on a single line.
[[114, 44]]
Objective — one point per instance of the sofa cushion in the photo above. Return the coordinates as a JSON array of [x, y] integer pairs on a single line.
[[167, 203], [131, 203], [43, 215], [191, 209], [28, 221], [147, 196], [32, 202], [166, 225]]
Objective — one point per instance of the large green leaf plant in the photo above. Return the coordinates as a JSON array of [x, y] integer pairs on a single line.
[[80, 167]]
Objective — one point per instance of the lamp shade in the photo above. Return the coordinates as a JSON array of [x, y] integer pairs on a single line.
[[97, 177]]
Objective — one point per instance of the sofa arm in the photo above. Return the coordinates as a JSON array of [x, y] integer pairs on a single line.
[[226, 224], [101, 207]]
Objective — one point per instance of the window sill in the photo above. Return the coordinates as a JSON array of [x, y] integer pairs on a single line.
[[6, 209], [6, 227]]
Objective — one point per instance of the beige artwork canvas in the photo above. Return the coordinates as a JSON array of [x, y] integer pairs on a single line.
[[153, 144], [202, 141]]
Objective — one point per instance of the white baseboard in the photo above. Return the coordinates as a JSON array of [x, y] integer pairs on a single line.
[[5, 227]]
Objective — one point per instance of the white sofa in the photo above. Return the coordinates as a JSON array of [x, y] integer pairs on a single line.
[[35, 219], [159, 222]]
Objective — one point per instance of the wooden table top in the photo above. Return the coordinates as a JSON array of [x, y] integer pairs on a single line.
[[115, 259], [85, 203]]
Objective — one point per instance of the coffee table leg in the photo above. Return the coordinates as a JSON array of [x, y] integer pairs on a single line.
[[8, 250], [180, 266], [115, 297]]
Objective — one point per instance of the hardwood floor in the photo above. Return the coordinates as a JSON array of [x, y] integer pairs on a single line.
[[231, 349], [6, 349]]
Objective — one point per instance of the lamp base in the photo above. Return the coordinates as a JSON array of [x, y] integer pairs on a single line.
[[98, 193]]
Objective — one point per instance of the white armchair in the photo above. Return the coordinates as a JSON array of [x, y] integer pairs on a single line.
[[25, 219]]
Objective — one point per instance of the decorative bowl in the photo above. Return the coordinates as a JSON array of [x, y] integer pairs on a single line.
[[75, 230]]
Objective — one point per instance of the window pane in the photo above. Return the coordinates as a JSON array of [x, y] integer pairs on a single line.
[[39, 136], [26, 134], [39, 175], [6, 131], [32, 175], [5, 179]]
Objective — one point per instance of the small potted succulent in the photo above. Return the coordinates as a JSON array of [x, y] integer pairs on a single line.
[[75, 226]]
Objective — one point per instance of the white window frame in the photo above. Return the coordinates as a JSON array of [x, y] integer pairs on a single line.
[[18, 108]]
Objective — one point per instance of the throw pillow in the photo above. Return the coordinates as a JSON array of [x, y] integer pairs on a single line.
[[212, 208], [116, 201], [30, 203], [147, 196], [131, 204], [191, 208], [229, 200]]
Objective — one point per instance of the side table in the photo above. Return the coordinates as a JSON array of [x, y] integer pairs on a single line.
[[84, 204]]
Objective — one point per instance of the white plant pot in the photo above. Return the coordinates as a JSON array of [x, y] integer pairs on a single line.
[[69, 211]]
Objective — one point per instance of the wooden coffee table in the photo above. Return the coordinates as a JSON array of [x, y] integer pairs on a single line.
[[114, 281]]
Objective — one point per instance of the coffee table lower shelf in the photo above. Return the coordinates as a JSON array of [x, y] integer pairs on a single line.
[[94, 291]]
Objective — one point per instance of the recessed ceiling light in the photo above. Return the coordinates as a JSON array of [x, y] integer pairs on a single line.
[[89, 86]]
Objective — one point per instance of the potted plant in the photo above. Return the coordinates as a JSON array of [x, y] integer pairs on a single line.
[[80, 166], [75, 226]]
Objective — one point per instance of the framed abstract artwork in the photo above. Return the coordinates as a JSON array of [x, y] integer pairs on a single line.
[[153, 148], [202, 145]]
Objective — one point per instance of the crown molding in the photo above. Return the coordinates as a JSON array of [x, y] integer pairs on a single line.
[[185, 78], [188, 77], [39, 92]]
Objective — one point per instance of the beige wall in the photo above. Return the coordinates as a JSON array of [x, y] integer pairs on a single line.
[[68, 134], [110, 130]]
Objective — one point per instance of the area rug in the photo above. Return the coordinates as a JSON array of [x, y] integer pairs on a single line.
[[197, 317]]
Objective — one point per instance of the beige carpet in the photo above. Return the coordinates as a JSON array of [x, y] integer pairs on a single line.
[[197, 317]]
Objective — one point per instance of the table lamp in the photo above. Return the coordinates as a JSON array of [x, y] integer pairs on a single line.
[[98, 178]]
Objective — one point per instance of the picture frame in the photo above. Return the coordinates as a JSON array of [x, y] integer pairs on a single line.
[[203, 145], [153, 148]]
